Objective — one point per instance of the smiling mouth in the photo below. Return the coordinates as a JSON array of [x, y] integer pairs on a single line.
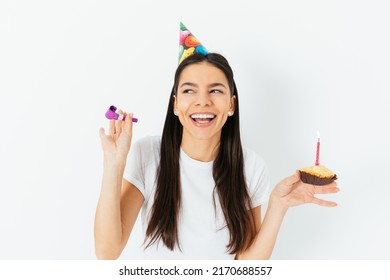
[[202, 118]]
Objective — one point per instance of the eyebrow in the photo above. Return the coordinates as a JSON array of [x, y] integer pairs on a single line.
[[195, 85], [188, 84]]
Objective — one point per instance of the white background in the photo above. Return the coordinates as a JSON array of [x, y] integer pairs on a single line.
[[300, 66]]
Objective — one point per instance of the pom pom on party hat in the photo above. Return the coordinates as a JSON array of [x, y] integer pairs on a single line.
[[189, 44]]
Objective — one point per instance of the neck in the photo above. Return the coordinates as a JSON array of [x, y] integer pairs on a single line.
[[200, 149]]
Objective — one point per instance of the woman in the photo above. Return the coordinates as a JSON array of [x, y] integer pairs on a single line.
[[199, 190]]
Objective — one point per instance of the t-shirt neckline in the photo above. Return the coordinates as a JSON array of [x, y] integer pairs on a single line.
[[193, 162]]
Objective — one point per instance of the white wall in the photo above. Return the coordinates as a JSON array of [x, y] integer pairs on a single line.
[[300, 66]]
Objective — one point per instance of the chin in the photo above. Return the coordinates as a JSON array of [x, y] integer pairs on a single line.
[[203, 135]]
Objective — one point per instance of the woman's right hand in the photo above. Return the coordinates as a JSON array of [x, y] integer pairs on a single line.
[[116, 144]]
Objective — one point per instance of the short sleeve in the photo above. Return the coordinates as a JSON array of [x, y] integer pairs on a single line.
[[257, 177], [135, 167]]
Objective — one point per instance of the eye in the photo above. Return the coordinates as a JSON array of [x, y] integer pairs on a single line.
[[188, 91], [216, 91]]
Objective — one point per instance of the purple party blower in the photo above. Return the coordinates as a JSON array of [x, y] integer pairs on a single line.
[[111, 115]]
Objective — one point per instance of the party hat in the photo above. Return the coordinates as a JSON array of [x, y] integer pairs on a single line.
[[189, 44]]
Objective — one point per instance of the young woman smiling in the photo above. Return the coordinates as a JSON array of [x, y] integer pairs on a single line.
[[200, 192]]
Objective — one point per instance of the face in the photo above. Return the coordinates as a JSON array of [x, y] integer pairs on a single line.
[[202, 101]]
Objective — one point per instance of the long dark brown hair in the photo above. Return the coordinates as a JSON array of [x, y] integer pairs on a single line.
[[228, 173]]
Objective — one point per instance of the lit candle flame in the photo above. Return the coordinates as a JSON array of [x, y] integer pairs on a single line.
[[318, 134]]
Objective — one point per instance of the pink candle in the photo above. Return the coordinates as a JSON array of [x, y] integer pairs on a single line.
[[318, 149]]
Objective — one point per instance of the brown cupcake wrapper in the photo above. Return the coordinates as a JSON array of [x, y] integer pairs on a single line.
[[314, 180]]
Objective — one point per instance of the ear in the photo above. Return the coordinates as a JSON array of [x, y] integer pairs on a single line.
[[174, 103], [232, 106]]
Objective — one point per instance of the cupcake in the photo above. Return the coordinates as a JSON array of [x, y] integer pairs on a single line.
[[317, 175]]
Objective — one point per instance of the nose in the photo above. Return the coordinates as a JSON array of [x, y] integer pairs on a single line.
[[203, 98]]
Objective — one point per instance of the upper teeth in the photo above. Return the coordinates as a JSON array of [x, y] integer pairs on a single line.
[[202, 116]]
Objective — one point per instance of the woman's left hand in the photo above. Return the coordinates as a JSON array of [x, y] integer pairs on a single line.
[[291, 191]]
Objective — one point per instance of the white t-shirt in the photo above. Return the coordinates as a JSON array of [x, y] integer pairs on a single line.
[[202, 230]]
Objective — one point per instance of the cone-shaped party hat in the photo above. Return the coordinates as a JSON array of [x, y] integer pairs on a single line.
[[189, 44]]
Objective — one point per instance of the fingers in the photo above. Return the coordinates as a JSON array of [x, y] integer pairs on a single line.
[[112, 127], [102, 133], [323, 202], [331, 188], [128, 124], [118, 124], [327, 189]]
